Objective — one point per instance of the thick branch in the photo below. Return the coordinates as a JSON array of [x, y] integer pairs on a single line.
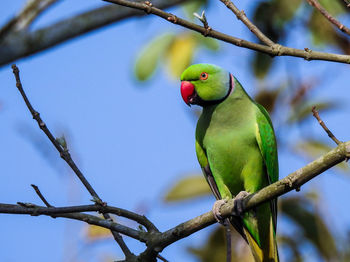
[[157, 241], [275, 50], [25, 43], [242, 16], [328, 16], [293, 181], [26, 16]]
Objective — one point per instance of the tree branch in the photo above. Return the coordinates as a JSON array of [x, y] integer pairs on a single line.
[[65, 155], [325, 128], [275, 50], [253, 28], [157, 241], [72, 213], [293, 181], [37, 191], [24, 43], [26, 16], [328, 16]]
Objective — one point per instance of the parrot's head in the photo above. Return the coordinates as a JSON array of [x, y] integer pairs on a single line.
[[205, 84]]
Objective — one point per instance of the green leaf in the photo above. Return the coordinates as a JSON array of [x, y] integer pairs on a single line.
[[294, 245], [313, 148], [322, 31], [301, 111], [215, 247], [180, 53], [333, 7], [188, 188], [261, 64], [148, 58], [267, 98], [311, 225], [207, 42]]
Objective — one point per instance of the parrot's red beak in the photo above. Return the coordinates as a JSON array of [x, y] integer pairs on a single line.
[[187, 90]]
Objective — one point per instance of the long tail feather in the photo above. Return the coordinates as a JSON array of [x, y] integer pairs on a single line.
[[268, 252]]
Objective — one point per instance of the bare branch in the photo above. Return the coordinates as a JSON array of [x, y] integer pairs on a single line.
[[320, 121], [24, 43], [293, 181], [65, 155], [253, 28], [275, 50], [328, 16], [40, 195], [157, 241], [26, 16], [34, 210]]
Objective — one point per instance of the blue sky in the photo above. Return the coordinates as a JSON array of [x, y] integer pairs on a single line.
[[131, 140]]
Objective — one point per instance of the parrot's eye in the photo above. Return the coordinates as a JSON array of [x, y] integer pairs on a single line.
[[204, 76]]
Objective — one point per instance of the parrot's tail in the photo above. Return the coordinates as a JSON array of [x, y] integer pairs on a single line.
[[268, 251]]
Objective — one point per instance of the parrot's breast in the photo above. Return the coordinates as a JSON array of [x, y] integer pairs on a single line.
[[229, 141]]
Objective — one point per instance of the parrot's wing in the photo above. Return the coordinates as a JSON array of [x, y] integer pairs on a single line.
[[203, 161], [268, 147]]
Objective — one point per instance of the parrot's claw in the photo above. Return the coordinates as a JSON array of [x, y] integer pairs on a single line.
[[238, 200], [216, 209]]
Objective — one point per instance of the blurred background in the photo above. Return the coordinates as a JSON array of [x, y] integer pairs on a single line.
[[113, 94]]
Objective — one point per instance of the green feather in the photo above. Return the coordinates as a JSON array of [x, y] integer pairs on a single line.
[[235, 138]]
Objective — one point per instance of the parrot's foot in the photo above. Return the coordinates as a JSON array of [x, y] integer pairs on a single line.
[[216, 209], [238, 200]]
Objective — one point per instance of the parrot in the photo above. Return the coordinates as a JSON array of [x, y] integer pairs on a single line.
[[237, 151]]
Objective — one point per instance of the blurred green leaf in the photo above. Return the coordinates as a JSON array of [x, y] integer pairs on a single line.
[[180, 53], [333, 7], [188, 188], [267, 98], [294, 246], [148, 58], [271, 17], [287, 9], [303, 110], [207, 42], [215, 248], [313, 148], [324, 33], [261, 64], [311, 225]]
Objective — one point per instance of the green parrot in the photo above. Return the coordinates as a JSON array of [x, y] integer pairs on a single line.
[[236, 148]]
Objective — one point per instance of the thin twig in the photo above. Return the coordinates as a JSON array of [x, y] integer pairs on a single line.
[[41, 195], [162, 258], [253, 28], [275, 50], [328, 16], [204, 21], [65, 155], [35, 210], [320, 121]]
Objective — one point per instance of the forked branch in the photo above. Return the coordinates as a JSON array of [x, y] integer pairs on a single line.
[[273, 50]]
